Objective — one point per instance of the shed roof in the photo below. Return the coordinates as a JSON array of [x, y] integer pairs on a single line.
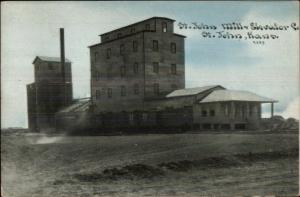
[[50, 59], [79, 105], [191, 91], [235, 95]]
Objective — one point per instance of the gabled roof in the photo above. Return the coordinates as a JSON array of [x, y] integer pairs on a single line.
[[191, 91], [235, 95], [49, 59]]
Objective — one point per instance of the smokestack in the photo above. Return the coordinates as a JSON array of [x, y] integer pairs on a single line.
[[62, 53], [62, 61]]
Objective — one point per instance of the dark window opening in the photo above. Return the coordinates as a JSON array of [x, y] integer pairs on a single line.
[[156, 88], [212, 112], [98, 94], [109, 71], [164, 27], [136, 68], [123, 71], [123, 91], [97, 75], [96, 57], [122, 49], [147, 26], [108, 53], [109, 93], [225, 126], [155, 45], [173, 47], [216, 126], [135, 46], [132, 30], [119, 35], [206, 126], [136, 89], [240, 126], [50, 66], [173, 69], [204, 113], [155, 67]]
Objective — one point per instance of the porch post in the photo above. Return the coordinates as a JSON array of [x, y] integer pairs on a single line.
[[272, 110]]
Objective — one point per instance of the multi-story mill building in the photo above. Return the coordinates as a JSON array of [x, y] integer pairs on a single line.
[[135, 64]]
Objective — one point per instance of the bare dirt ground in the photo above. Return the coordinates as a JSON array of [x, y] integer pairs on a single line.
[[150, 165]]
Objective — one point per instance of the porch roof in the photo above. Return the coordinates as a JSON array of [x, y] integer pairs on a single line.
[[235, 95]]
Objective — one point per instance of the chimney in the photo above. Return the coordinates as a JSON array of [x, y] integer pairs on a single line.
[[62, 62], [62, 54]]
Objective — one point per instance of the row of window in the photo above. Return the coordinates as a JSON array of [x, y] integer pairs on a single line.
[[155, 69], [240, 111], [136, 90], [205, 113], [134, 49], [147, 27], [50, 66]]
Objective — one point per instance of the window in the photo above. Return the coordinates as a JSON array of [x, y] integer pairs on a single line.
[[135, 46], [136, 68], [98, 94], [96, 56], [109, 71], [108, 53], [107, 38], [144, 116], [173, 47], [147, 26], [97, 75], [119, 35], [156, 88], [132, 30], [164, 27], [123, 91], [204, 113], [155, 45], [123, 71], [212, 112], [155, 67], [122, 49], [50, 66], [109, 92], [173, 69], [174, 87], [136, 89], [37, 67]]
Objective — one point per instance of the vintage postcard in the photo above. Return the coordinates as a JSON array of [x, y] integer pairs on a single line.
[[152, 98]]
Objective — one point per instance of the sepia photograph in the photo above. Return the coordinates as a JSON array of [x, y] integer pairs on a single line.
[[149, 98]]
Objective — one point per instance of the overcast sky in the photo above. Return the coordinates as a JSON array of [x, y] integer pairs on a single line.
[[29, 29]]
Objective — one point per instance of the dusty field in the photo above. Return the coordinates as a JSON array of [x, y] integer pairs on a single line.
[[150, 165]]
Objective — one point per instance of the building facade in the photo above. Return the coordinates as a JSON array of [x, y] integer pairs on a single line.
[[50, 92], [136, 63]]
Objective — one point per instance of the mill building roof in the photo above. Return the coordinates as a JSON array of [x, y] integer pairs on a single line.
[[50, 59], [155, 17], [235, 95]]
